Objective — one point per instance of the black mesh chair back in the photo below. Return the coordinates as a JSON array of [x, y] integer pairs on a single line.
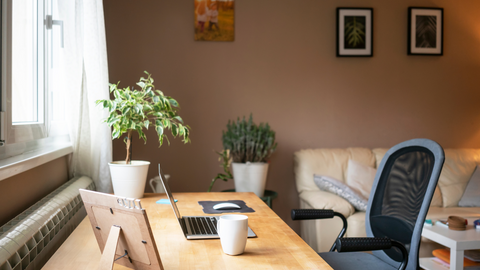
[[401, 195]]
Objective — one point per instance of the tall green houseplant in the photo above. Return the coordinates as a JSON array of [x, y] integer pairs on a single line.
[[135, 110], [243, 142]]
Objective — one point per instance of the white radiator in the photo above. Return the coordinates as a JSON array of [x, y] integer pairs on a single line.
[[28, 240]]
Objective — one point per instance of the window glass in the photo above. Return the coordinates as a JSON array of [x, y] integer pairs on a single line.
[[25, 90]]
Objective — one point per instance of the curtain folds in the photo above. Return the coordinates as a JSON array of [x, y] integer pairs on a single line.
[[85, 78]]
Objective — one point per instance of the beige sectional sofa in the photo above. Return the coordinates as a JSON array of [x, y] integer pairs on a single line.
[[320, 234]]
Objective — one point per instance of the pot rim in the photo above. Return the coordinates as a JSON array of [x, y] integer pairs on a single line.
[[251, 163], [135, 163]]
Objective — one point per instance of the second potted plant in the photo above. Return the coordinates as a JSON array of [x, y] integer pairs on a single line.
[[249, 147], [134, 111]]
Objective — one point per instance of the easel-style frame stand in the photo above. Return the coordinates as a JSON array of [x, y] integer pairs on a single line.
[[122, 230]]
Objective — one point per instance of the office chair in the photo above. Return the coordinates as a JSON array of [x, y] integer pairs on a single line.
[[401, 194]]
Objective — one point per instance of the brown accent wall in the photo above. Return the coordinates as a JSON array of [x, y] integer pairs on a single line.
[[21, 191], [282, 68]]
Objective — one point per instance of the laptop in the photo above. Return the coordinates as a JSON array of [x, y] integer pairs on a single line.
[[194, 227]]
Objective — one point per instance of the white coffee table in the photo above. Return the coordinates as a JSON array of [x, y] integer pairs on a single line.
[[457, 241]]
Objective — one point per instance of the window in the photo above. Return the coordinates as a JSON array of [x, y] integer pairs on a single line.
[[30, 38], [31, 111], [27, 63]]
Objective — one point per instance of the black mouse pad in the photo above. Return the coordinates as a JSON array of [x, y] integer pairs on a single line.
[[208, 207]]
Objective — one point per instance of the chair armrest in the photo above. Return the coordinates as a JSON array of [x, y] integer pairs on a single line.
[[317, 199], [302, 214], [350, 244]]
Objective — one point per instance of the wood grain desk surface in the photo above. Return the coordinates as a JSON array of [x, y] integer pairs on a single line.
[[276, 247]]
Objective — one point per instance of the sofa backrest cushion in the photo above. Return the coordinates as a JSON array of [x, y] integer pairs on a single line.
[[457, 170], [379, 153], [329, 162], [360, 177]]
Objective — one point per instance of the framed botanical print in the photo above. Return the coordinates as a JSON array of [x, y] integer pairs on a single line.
[[355, 32], [425, 31]]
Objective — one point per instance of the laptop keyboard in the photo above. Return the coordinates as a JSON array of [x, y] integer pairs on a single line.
[[203, 225]]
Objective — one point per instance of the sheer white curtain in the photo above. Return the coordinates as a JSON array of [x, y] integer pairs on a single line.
[[85, 75]]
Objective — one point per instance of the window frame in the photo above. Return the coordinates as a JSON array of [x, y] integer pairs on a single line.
[[17, 152], [23, 132]]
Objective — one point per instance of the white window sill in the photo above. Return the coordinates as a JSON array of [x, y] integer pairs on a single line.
[[34, 155]]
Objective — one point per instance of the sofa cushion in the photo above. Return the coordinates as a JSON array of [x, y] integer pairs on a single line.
[[379, 153], [471, 196], [437, 196], [331, 162], [457, 170], [336, 187], [327, 201], [356, 225], [437, 200], [360, 178]]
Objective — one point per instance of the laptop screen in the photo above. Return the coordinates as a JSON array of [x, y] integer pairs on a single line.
[[169, 195]]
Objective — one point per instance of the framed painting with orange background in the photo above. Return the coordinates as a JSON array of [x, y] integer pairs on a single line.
[[214, 20]]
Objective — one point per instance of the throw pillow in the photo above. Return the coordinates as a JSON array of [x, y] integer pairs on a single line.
[[336, 187], [360, 177], [471, 196]]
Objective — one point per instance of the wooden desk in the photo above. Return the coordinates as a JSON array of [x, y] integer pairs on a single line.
[[276, 247]]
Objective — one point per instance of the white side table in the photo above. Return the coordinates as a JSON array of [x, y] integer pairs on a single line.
[[457, 241]]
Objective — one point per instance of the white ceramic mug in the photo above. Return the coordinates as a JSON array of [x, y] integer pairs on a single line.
[[233, 231]]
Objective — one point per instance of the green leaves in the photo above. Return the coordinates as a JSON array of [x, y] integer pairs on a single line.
[[248, 142], [141, 84], [159, 130], [125, 110], [226, 161], [178, 118], [116, 133], [173, 102], [136, 110]]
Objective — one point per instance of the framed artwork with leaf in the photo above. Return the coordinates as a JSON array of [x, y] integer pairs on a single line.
[[425, 31], [354, 32]]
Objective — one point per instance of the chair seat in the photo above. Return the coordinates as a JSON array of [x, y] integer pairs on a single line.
[[354, 260]]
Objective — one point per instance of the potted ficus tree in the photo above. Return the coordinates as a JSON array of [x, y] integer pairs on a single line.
[[247, 148], [135, 111]]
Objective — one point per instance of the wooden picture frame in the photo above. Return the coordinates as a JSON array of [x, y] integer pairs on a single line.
[[354, 32], [425, 31], [122, 231]]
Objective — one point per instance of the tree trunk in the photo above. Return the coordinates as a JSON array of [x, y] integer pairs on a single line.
[[129, 147]]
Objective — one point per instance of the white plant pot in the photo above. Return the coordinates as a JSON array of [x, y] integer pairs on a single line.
[[129, 179], [250, 177]]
